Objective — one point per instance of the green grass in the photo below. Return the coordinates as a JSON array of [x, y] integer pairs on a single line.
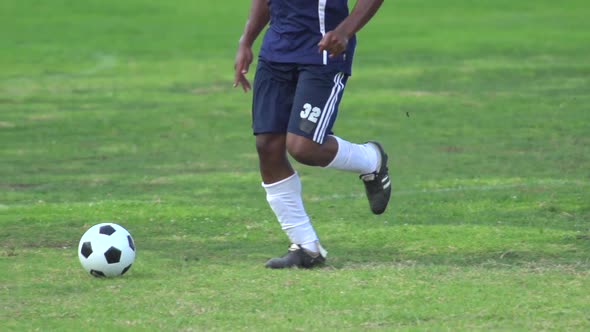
[[124, 112]]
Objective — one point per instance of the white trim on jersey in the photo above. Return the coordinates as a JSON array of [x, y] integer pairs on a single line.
[[322, 21], [320, 131]]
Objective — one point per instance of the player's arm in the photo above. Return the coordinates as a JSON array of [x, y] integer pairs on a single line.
[[335, 41], [257, 20]]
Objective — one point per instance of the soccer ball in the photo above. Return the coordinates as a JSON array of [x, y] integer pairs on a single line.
[[106, 250]]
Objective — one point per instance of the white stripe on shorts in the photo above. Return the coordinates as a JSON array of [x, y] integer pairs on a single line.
[[324, 121], [322, 22]]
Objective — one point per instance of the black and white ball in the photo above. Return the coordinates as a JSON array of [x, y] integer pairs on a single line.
[[106, 250]]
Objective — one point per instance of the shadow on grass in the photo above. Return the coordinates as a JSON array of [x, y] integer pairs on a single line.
[[490, 260], [572, 255]]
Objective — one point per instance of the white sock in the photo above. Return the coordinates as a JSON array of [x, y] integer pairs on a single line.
[[360, 158], [285, 200]]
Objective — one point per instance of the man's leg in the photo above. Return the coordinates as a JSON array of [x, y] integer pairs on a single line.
[[272, 155], [334, 152], [309, 139], [274, 89], [283, 193], [369, 160]]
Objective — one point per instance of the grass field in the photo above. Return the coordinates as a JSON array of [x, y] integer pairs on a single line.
[[124, 111]]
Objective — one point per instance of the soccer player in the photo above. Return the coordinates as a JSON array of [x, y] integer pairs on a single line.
[[303, 65]]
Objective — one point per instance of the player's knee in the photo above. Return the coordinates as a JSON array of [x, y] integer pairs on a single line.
[[303, 150], [270, 145]]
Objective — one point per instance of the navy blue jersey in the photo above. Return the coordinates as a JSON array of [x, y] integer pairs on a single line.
[[296, 28]]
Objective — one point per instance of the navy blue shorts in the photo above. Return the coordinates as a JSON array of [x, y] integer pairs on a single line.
[[300, 99]]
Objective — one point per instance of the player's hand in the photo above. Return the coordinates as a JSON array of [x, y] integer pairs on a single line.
[[335, 42], [241, 66]]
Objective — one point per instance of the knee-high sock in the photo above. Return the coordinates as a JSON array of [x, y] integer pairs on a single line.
[[359, 158], [285, 200]]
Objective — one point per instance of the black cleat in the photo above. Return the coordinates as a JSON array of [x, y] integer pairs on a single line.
[[298, 257], [378, 183]]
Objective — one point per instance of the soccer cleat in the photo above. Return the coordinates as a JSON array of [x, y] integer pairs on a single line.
[[378, 183], [298, 257]]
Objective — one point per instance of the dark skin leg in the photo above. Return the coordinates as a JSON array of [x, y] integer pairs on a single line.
[[272, 154], [310, 153]]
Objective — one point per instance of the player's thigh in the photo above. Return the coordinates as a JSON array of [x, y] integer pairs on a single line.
[[316, 101], [273, 93]]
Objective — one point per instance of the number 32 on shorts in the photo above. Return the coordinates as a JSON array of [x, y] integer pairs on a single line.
[[310, 113], [309, 117]]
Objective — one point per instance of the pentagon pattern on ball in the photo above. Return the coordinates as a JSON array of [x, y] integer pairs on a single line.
[[86, 249], [131, 244], [107, 230], [126, 269], [113, 255], [97, 273]]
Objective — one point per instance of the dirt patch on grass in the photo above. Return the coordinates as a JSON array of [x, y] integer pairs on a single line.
[[42, 117], [451, 149], [208, 90], [423, 93], [19, 186]]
